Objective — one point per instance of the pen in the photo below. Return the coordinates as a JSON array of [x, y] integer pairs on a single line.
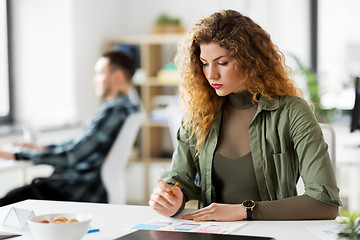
[[170, 192], [91, 230]]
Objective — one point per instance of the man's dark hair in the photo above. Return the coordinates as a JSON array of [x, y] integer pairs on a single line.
[[123, 61]]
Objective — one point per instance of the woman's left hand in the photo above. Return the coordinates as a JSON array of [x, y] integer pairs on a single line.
[[218, 212]]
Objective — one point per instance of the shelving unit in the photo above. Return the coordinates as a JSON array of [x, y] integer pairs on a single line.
[[154, 52]]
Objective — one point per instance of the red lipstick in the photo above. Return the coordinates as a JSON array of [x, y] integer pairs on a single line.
[[216, 85]]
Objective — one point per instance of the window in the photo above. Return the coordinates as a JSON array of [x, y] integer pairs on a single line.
[[42, 63], [338, 51], [5, 110]]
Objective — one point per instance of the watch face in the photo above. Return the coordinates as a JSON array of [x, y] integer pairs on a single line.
[[248, 203]]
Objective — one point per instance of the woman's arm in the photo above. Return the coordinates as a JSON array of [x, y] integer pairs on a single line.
[[315, 166], [295, 208], [184, 169]]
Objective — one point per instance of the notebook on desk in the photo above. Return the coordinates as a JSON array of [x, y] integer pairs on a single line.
[[166, 235]]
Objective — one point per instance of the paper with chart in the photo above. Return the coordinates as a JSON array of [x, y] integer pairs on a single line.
[[326, 232], [172, 224]]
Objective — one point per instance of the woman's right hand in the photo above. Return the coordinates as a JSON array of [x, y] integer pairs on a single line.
[[164, 203]]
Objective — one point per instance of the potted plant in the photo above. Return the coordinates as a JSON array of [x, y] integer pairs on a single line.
[[350, 225], [167, 24], [323, 115]]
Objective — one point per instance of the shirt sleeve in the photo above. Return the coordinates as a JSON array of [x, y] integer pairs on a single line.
[[306, 208], [184, 168], [98, 136], [315, 165]]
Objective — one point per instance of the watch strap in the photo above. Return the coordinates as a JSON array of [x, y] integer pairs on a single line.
[[249, 212]]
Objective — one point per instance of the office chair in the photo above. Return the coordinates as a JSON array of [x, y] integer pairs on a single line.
[[113, 168], [329, 137], [174, 121]]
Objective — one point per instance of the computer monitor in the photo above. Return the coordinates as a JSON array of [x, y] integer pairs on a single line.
[[355, 115]]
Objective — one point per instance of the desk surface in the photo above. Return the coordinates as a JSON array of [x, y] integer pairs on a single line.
[[116, 220], [7, 165]]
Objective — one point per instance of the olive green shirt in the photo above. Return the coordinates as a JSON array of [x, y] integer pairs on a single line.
[[286, 141]]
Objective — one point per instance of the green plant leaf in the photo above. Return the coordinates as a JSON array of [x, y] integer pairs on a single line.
[[323, 115], [350, 225]]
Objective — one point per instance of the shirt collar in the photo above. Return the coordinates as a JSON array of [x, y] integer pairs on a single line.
[[270, 105]]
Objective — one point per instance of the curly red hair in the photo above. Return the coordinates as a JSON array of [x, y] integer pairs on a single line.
[[256, 57]]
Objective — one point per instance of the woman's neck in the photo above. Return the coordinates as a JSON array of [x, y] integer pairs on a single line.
[[241, 101]]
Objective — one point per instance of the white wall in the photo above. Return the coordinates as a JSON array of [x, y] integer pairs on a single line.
[[43, 63], [286, 21], [56, 43], [94, 22]]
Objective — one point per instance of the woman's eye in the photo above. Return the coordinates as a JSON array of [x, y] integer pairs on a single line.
[[204, 64], [223, 63]]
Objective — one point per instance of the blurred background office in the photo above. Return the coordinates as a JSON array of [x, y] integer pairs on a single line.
[[54, 44]]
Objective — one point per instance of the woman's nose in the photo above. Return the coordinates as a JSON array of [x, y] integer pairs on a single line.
[[212, 72]]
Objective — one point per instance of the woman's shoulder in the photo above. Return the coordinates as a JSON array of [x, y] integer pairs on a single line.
[[284, 103], [293, 101], [297, 107]]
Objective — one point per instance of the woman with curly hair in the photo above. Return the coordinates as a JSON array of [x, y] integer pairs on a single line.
[[247, 134]]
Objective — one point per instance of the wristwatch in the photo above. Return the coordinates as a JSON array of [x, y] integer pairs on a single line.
[[249, 206]]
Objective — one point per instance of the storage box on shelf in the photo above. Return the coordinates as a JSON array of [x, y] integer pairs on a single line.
[[156, 81]]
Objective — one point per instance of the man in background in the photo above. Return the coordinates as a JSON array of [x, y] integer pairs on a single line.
[[77, 162]]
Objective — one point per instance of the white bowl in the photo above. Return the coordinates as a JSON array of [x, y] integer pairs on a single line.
[[60, 231]]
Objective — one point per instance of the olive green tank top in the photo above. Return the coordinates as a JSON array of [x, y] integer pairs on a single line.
[[234, 179], [233, 171]]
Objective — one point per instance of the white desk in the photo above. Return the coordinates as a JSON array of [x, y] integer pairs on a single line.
[[11, 165], [115, 220], [13, 174]]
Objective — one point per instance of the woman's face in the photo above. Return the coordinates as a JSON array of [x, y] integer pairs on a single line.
[[219, 69]]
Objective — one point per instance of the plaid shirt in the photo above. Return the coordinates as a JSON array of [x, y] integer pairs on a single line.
[[78, 161]]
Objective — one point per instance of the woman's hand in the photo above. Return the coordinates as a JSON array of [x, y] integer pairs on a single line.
[[218, 212], [164, 203]]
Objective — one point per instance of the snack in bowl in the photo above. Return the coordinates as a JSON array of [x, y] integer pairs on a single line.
[[60, 226], [60, 220]]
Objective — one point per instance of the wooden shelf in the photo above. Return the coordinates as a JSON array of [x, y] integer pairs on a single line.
[[150, 39], [149, 123], [153, 82], [155, 51]]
